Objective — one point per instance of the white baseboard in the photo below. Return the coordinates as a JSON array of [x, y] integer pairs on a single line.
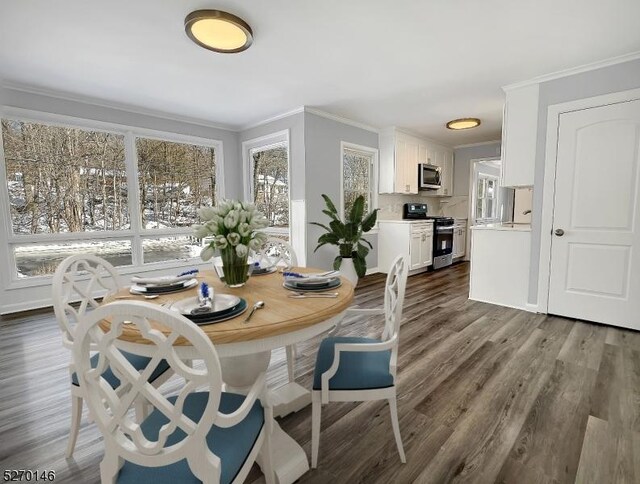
[[373, 270], [527, 307]]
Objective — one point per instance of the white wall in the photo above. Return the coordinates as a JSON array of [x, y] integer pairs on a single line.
[[323, 159], [462, 164], [620, 77]]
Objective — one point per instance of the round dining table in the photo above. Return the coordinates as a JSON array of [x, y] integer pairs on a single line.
[[244, 348]]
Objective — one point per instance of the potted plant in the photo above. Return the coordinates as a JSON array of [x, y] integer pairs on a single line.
[[348, 237], [233, 226]]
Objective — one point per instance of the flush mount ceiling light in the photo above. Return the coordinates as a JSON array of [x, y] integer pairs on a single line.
[[463, 123], [218, 31]]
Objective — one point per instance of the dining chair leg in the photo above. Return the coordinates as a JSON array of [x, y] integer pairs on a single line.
[[109, 467], [316, 411], [291, 360], [267, 451], [393, 408], [76, 417]]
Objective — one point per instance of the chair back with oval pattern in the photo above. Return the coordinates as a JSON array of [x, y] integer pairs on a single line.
[[276, 252], [394, 296], [79, 284], [124, 437]]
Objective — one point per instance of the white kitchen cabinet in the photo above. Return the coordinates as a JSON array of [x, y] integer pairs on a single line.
[[519, 136], [413, 239], [459, 238], [400, 155]]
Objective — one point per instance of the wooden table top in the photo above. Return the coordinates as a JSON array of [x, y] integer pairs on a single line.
[[280, 315]]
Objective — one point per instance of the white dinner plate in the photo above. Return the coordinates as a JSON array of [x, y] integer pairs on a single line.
[[139, 289], [221, 302]]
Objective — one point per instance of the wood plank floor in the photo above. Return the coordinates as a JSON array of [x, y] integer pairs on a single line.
[[485, 394]]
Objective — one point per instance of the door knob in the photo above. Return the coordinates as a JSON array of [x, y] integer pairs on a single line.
[[559, 232]]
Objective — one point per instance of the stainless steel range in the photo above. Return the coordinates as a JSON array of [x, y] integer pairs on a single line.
[[442, 232]]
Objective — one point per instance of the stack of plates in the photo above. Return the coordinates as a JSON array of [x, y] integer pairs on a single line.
[[316, 284], [161, 288], [225, 306], [259, 269]]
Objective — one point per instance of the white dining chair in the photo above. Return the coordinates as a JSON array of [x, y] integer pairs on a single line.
[[352, 369], [79, 284], [279, 253], [200, 434]]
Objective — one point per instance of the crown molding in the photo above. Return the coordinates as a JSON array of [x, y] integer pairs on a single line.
[[286, 114], [66, 96], [340, 119], [575, 70], [481, 143]]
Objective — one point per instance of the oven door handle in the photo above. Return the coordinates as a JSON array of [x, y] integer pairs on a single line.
[[444, 230]]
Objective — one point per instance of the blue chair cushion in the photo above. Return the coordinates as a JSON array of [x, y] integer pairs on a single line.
[[232, 445], [137, 361], [357, 370]]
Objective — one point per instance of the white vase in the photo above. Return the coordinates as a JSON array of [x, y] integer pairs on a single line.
[[348, 270]]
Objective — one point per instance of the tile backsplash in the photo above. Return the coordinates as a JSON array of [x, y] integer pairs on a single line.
[[391, 205]]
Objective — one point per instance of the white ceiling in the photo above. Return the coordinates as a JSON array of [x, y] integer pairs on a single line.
[[410, 63]]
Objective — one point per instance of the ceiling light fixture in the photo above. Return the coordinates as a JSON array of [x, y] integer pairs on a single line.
[[463, 123], [218, 31]]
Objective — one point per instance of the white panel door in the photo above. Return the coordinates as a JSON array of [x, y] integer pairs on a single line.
[[595, 254]]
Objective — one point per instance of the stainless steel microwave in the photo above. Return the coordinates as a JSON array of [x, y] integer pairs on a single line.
[[429, 177]]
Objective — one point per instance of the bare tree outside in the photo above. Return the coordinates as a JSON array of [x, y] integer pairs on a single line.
[[175, 180], [65, 180], [356, 178], [271, 183]]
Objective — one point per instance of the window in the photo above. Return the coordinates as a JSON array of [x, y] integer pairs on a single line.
[[72, 190], [486, 197], [174, 179], [268, 167], [358, 176]]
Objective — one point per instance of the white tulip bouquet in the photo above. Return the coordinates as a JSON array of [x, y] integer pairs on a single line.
[[234, 227]]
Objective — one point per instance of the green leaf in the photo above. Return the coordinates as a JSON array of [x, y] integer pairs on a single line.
[[362, 250], [370, 220], [366, 242], [321, 225], [360, 265], [357, 210], [351, 232], [337, 228], [329, 238], [331, 215], [336, 263], [330, 204]]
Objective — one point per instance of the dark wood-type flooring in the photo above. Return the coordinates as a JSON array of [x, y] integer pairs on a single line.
[[485, 394]]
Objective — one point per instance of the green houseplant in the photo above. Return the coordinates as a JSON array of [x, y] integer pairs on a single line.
[[347, 235]]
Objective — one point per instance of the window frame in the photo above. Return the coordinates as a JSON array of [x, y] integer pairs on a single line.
[[265, 142], [373, 188], [482, 201], [135, 234]]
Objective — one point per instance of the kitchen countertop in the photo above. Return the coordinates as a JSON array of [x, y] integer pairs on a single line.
[[504, 226], [401, 221]]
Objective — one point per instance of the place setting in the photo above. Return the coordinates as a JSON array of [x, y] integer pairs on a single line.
[[209, 307], [313, 285], [153, 287]]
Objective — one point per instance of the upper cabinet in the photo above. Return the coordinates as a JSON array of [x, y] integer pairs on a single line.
[[400, 155], [519, 134]]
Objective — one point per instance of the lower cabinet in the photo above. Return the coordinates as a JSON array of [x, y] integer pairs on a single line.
[[414, 240], [459, 239]]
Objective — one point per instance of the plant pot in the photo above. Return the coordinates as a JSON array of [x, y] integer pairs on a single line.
[[234, 271], [348, 270]]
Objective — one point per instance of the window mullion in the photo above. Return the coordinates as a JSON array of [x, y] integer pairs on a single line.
[[131, 161]]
